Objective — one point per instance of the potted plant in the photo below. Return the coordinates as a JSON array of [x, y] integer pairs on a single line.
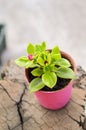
[[50, 74]]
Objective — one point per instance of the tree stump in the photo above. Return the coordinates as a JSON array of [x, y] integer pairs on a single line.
[[20, 110]]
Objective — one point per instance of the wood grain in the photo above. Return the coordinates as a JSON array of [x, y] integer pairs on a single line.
[[19, 110]]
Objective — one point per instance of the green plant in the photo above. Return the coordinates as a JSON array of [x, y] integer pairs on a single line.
[[47, 66]]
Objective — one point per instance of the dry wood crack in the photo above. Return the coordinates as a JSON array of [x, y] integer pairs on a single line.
[[19, 110], [19, 107]]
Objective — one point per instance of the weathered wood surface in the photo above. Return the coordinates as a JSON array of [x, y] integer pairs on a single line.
[[19, 110]]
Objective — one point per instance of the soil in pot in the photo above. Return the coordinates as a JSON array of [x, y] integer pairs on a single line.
[[61, 83]]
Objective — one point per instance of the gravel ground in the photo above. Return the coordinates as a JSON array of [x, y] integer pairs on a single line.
[[61, 22]]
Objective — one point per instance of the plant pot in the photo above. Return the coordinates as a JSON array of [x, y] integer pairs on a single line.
[[55, 99]]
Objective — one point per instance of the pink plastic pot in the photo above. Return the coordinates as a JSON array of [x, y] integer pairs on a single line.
[[55, 99]]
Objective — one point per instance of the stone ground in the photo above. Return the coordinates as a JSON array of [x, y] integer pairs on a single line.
[[54, 21]]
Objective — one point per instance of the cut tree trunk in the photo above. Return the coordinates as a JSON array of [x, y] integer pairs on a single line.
[[19, 110]]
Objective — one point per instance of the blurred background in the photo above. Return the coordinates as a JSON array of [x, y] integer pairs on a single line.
[[58, 22]]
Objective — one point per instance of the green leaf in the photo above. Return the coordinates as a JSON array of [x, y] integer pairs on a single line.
[[63, 62], [49, 58], [37, 72], [38, 48], [66, 73], [55, 50], [43, 46], [30, 64], [48, 68], [56, 56], [30, 48], [49, 79], [22, 61], [36, 84], [40, 61]]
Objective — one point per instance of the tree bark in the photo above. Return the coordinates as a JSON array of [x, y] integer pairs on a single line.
[[19, 110]]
